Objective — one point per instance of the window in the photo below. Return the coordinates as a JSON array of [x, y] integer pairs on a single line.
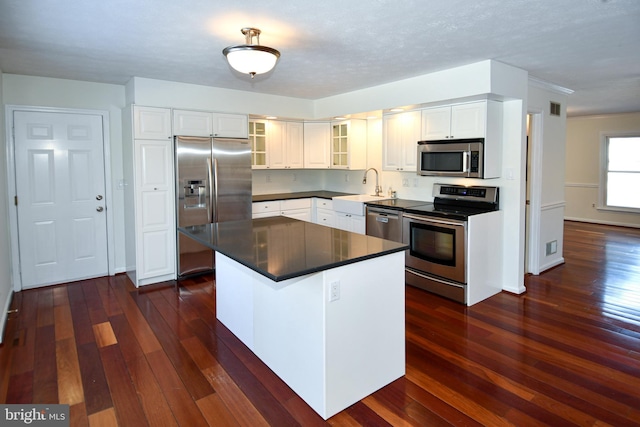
[[621, 177]]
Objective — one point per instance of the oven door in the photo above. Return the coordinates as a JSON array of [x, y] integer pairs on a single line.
[[436, 246]]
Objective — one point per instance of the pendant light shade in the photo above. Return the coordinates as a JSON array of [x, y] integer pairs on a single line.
[[251, 58]]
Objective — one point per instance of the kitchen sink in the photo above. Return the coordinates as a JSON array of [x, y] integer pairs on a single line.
[[354, 204]]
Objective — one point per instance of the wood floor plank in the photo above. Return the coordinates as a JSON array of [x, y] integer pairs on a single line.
[[45, 307], [97, 396], [80, 314], [153, 402], [70, 388], [104, 334], [78, 415], [63, 322], [20, 388], [104, 418], [45, 377], [184, 408], [123, 393], [215, 412]]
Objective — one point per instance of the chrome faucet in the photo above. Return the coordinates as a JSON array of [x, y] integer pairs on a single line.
[[364, 180]]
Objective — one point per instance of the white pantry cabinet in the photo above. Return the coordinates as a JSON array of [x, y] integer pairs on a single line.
[[401, 133], [149, 196], [349, 144], [317, 145], [204, 123], [458, 121]]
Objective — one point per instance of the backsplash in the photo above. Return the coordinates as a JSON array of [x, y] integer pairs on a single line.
[[407, 185]]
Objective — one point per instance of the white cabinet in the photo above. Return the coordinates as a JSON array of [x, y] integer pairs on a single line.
[[204, 123], [151, 123], [258, 140], [155, 221], [350, 222], [285, 145], [296, 208], [317, 145], [293, 208], [265, 209], [349, 144], [401, 132], [457, 121], [326, 217], [150, 226]]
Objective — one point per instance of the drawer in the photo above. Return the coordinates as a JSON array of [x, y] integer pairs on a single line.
[[324, 204], [262, 207], [294, 204]]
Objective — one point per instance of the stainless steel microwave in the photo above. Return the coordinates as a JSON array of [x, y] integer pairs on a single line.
[[459, 158]]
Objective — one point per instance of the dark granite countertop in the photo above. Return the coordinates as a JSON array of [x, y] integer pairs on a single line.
[[323, 194], [282, 248]]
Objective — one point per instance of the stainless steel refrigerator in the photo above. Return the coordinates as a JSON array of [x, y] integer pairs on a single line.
[[213, 185]]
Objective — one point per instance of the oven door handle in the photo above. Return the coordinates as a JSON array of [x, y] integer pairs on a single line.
[[431, 219]]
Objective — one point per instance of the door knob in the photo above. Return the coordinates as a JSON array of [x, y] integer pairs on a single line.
[[99, 197], [99, 208]]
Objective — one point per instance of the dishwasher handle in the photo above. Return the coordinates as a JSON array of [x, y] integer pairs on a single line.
[[383, 215]]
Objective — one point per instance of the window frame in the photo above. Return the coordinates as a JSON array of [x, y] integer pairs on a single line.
[[604, 170]]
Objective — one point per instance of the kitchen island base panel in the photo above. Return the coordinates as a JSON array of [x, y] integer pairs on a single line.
[[331, 353]]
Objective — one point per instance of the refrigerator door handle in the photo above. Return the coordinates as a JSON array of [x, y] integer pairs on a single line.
[[215, 190], [210, 176]]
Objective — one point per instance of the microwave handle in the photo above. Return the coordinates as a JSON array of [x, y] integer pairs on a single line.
[[465, 161]]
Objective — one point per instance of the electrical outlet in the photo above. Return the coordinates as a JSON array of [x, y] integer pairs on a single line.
[[268, 178], [405, 182], [334, 291], [346, 177]]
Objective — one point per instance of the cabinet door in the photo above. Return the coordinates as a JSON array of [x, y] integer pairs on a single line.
[[192, 123], [276, 144], [230, 125], [411, 133], [392, 142], [317, 145], [468, 120], [340, 145], [295, 145], [325, 217], [155, 223], [301, 214], [258, 139], [151, 123], [436, 123]]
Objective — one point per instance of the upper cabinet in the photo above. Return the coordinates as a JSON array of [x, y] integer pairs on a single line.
[[317, 145], [457, 121], [203, 123], [151, 123], [401, 132], [285, 144], [349, 144], [258, 140]]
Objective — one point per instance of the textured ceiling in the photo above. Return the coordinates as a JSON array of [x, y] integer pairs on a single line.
[[332, 46]]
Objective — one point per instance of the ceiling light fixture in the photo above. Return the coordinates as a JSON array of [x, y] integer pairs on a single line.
[[251, 58]]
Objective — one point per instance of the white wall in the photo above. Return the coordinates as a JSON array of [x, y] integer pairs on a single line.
[[548, 201], [6, 284], [59, 93], [582, 178]]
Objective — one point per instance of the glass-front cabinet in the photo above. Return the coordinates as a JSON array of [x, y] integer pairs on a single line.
[[258, 138], [340, 145]]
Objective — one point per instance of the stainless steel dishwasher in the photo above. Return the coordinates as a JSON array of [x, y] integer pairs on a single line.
[[384, 223]]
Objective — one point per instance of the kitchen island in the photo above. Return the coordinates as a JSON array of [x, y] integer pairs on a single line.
[[322, 307]]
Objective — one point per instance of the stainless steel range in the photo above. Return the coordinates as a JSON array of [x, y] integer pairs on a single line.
[[438, 237]]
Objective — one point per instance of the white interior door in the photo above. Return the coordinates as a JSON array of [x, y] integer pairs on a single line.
[[60, 184]]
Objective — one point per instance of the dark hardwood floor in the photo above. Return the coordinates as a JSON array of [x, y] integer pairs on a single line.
[[567, 352]]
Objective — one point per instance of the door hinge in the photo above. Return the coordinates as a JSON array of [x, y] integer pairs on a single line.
[[15, 200]]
